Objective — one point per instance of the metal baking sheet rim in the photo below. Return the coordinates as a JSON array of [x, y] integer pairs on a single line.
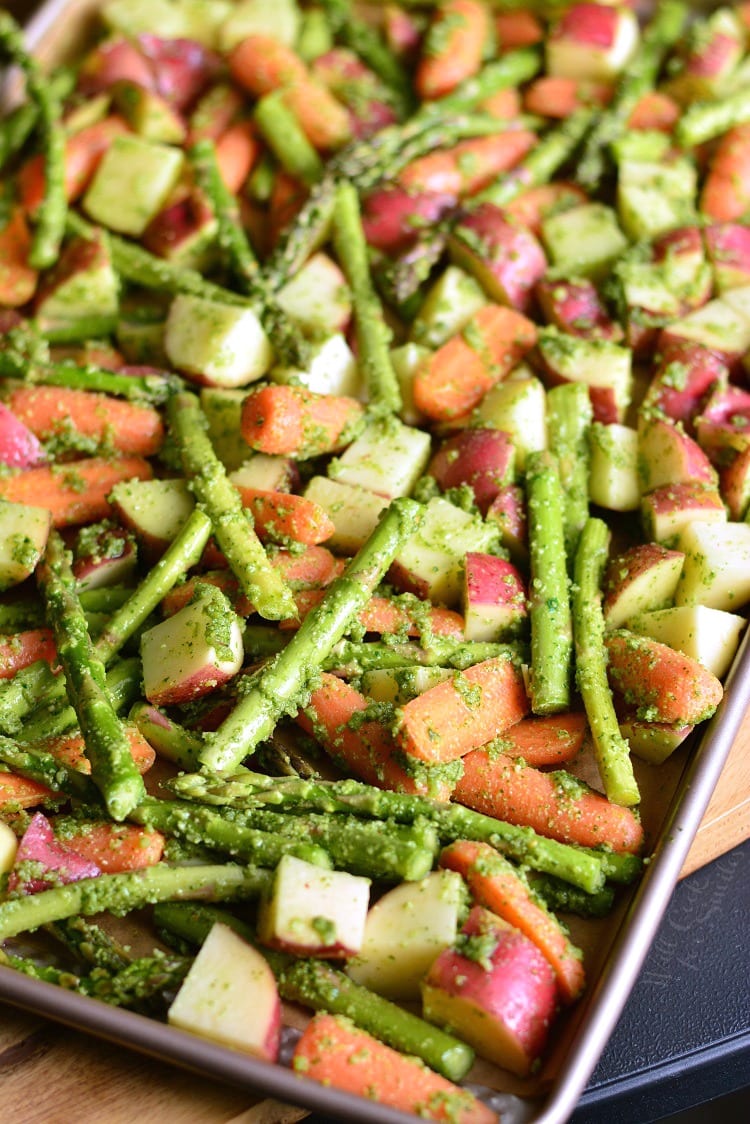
[[605, 1004]]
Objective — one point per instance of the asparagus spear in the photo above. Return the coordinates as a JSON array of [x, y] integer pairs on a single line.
[[50, 218], [315, 984], [123, 688], [112, 768], [611, 749], [152, 389], [90, 943], [122, 893], [169, 739], [453, 821], [441, 651], [569, 414], [367, 42], [45, 769], [263, 585], [284, 684], [702, 121], [549, 612], [373, 335], [513, 69], [18, 125], [286, 139]]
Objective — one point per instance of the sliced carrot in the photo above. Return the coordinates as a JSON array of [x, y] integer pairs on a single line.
[[17, 278], [672, 687], [92, 353], [463, 712], [70, 750], [20, 792], [114, 847], [366, 748], [24, 648], [312, 568], [494, 883], [282, 515], [323, 119], [553, 804], [74, 493], [83, 151], [552, 96], [384, 616], [726, 190], [50, 411], [654, 110], [261, 64], [455, 378], [504, 105], [293, 420], [531, 207], [453, 48], [517, 29], [468, 166], [550, 739], [237, 150], [333, 1051]]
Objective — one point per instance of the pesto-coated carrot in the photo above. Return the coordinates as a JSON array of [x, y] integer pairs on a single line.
[[532, 206], [553, 804], [291, 420], [468, 166], [281, 516], [550, 739], [76, 492], [261, 64], [495, 884], [518, 29], [114, 423], [455, 378], [552, 96], [24, 648], [453, 47], [672, 687], [385, 616], [237, 150], [323, 119], [115, 848], [726, 190], [333, 1051], [655, 111], [70, 750], [463, 712], [83, 151], [17, 278], [22, 792]]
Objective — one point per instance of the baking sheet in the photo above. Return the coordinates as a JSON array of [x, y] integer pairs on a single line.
[[615, 947]]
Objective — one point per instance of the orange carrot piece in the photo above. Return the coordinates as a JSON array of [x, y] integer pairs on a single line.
[[654, 110], [334, 1052], [517, 29], [261, 64], [17, 278], [550, 739], [675, 688], [468, 166], [282, 515], [504, 105], [454, 47], [531, 207], [295, 421], [114, 847], [368, 750], [74, 493], [237, 150], [24, 648], [494, 883], [551, 96], [382, 615], [83, 151], [726, 190], [455, 378], [21, 792], [128, 427], [288, 195], [314, 567], [70, 750], [463, 712], [553, 804], [323, 119]]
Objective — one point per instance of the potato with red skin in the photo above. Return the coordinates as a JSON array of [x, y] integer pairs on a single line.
[[481, 458], [496, 990], [506, 259], [508, 510], [670, 509], [734, 484], [576, 307], [667, 455], [19, 447], [185, 223], [494, 600], [393, 217], [112, 61], [685, 373], [182, 68], [40, 849], [723, 425], [728, 248], [662, 683], [642, 579], [592, 41]]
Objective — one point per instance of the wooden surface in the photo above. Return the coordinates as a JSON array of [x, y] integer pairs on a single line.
[[51, 1075]]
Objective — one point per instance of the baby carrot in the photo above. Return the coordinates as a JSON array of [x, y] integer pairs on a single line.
[[453, 48], [494, 883], [468, 166], [20, 792], [237, 150], [364, 748], [76, 492], [50, 411], [70, 750], [726, 191], [384, 616], [323, 119], [295, 421], [455, 378], [17, 278], [518, 29], [557, 97], [261, 64], [113, 847], [553, 804], [281, 516], [463, 712], [673, 687], [504, 104], [654, 110], [549, 739], [334, 1052], [24, 648], [83, 151]]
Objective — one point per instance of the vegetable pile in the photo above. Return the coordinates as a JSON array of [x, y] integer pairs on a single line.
[[374, 444]]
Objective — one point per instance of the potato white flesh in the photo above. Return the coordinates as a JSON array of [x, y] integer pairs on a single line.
[[218, 344], [519, 407], [716, 570], [155, 510], [317, 297], [387, 458], [24, 531], [8, 848], [355, 512], [332, 369], [400, 684], [314, 911], [430, 563], [710, 636], [405, 931], [230, 996], [613, 472]]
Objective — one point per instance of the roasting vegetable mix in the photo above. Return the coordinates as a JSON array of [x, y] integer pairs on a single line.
[[374, 508]]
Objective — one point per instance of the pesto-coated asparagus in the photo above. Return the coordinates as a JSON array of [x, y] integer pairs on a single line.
[[365, 40], [170, 740], [207, 478], [703, 121], [19, 124], [611, 748], [37, 765], [569, 415], [286, 139], [123, 688], [283, 685]]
